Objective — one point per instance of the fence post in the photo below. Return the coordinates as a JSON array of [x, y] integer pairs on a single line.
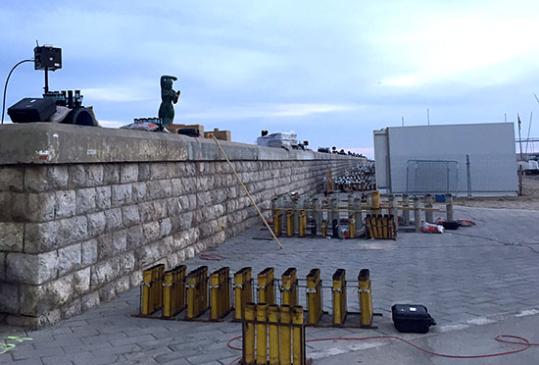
[[520, 177], [428, 206], [468, 176], [405, 211], [417, 214], [449, 207]]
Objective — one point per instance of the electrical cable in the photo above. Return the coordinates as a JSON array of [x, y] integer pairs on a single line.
[[211, 257], [524, 344], [5, 85]]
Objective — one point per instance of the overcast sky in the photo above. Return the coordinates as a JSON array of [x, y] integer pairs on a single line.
[[331, 71]]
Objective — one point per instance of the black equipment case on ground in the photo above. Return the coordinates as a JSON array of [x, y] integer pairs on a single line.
[[32, 110], [413, 318]]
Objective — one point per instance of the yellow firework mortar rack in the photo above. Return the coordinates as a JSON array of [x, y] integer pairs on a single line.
[[151, 290], [381, 226], [273, 335], [177, 294], [243, 291], [366, 216]]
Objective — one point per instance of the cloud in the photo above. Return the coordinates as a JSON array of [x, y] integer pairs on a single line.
[[270, 111], [472, 44], [332, 71], [117, 94], [402, 81]]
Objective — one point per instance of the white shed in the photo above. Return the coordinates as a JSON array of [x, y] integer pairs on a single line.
[[463, 159]]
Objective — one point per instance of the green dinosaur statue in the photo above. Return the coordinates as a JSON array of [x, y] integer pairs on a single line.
[[168, 97]]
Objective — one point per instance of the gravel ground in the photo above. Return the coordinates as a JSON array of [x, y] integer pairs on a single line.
[[529, 199]]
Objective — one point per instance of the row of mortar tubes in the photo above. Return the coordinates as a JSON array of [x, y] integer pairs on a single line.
[[320, 209]]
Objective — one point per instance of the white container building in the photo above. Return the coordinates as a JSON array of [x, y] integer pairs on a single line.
[[462, 159]]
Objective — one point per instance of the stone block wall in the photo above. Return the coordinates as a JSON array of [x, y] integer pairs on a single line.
[[73, 235]]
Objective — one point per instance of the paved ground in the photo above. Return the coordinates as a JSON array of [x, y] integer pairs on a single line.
[[474, 340], [466, 278]]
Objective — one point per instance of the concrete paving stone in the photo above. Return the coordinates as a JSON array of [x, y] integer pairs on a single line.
[[493, 278], [7, 360], [231, 328], [155, 344], [213, 356], [186, 344], [137, 339], [71, 339], [176, 362], [156, 331], [97, 360], [136, 362], [36, 336], [56, 360], [230, 360], [101, 338], [168, 357], [58, 330], [73, 349], [23, 353], [74, 322], [23, 347], [116, 350], [64, 342]]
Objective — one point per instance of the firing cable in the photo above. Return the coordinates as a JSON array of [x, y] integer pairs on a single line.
[[524, 344], [5, 85]]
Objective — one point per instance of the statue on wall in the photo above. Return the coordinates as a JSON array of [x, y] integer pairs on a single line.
[[168, 97]]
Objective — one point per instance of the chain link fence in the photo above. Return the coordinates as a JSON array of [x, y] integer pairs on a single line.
[[432, 176]]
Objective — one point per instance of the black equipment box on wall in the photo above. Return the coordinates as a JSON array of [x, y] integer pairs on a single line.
[[32, 110], [412, 318]]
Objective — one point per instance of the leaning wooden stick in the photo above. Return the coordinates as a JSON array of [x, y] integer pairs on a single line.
[[248, 193]]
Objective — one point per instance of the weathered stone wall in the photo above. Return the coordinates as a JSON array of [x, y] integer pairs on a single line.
[[74, 235]]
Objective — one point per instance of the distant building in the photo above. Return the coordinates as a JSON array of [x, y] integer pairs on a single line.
[[463, 159]]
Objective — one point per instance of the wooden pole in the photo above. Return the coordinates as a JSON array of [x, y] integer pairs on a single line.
[[248, 193]]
